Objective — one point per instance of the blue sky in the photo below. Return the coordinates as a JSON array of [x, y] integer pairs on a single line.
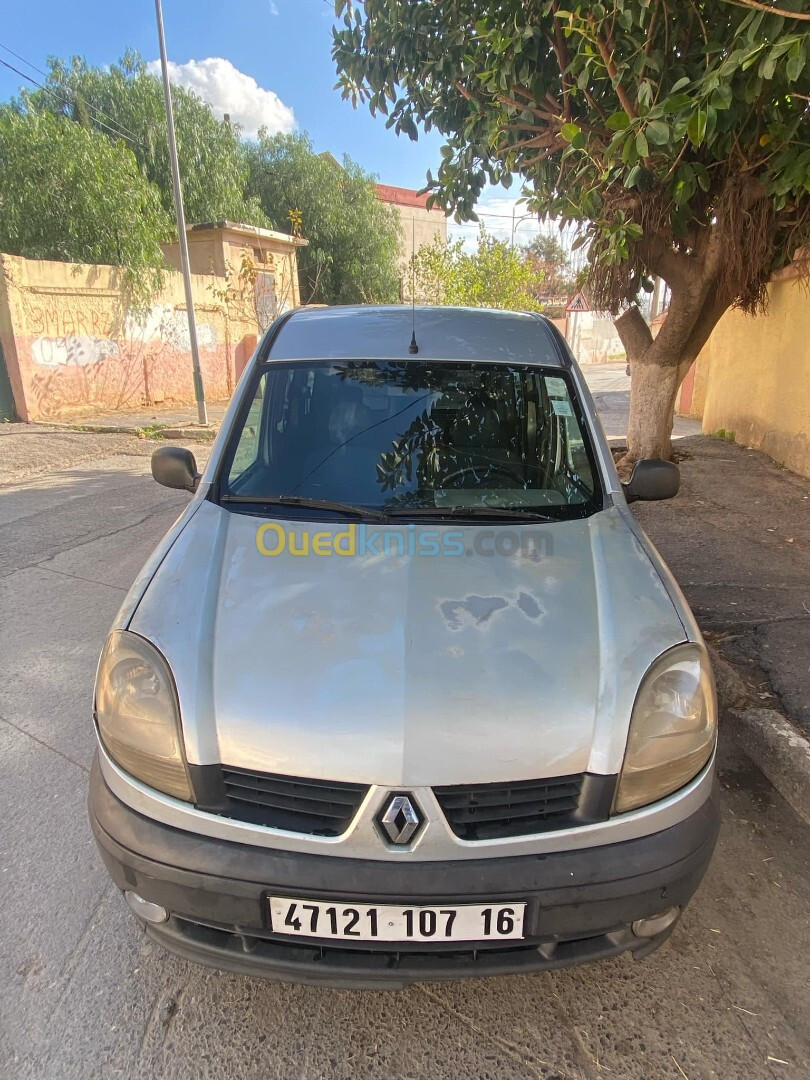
[[263, 60]]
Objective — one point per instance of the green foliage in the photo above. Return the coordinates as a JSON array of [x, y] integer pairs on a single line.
[[495, 275], [212, 164], [647, 125], [71, 194], [550, 260], [353, 237]]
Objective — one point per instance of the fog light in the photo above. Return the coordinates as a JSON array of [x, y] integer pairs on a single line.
[[145, 909], [656, 924]]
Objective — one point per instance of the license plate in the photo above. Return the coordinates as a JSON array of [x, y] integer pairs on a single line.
[[394, 922]]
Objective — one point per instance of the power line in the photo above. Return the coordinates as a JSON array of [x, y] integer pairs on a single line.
[[27, 63], [64, 100], [93, 108]]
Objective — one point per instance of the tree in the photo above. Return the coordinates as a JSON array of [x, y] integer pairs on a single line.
[[353, 237], [674, 136], [550, 261], [494, 275], [125, 103], [70, 194]]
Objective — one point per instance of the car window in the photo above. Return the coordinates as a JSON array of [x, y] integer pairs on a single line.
[[247, 444], [398, 434]]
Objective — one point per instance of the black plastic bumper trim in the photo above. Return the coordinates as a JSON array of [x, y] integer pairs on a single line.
[[587, 897]]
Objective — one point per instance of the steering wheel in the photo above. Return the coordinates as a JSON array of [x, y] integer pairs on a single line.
[[511, 471]]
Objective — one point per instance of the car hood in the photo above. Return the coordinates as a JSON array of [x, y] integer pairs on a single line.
[[409, 670]]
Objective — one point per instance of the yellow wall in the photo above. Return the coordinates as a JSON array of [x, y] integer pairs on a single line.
[[73, 347], [753, 376], [212, 250]]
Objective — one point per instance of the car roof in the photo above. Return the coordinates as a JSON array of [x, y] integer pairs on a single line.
[[442, 333]]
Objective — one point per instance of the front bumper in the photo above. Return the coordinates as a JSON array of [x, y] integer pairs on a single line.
[[580, 904]]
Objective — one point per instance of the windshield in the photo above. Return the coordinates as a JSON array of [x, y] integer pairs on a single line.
[[397, 435]]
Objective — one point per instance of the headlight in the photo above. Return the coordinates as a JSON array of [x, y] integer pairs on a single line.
[[138, 716], [672, 729]]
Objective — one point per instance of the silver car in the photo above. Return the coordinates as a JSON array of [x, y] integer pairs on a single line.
[[406, 693]]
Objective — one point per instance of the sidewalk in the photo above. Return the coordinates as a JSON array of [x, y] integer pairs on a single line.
[[173, 421], [32, 450], [610, 387], [737, 538]]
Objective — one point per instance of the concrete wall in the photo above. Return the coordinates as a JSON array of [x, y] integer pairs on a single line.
[[72, 346], [752, 377], [593, 338], [212, 249]]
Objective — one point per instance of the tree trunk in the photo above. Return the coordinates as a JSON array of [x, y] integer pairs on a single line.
[[653, 389], [659, 365]]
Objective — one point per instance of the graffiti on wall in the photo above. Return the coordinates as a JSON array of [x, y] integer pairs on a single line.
[[58, 319], [163, 324], [54, 352]]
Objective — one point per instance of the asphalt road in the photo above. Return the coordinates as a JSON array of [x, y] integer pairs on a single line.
[[82, 993]]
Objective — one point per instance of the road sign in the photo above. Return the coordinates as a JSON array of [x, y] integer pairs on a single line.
[[577, 303]]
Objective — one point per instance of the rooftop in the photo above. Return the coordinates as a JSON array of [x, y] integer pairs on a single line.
[[248, 230], [401, 196]]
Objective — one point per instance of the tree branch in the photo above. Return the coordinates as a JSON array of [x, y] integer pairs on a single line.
[[552, 150], [664, 261], [561, 52], [551, 138], [606, 52], [709, 316], [772, 10], [634, 332], [541, 114]]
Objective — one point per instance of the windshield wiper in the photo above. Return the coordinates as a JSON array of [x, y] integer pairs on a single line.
[[510, 512], [307, 504]]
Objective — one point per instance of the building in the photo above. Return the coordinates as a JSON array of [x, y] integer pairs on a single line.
[[221, 248], [419, 225]]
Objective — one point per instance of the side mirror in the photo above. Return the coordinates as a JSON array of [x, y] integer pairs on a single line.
[[175, 467], [651, 479]]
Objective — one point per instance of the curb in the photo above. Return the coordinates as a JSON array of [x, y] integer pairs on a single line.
[[204, 434], [778, 749], [88, 429], [192, 432], [775, 746]]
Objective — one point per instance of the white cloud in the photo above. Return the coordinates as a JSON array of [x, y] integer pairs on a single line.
[[229, 90], [273, 8]]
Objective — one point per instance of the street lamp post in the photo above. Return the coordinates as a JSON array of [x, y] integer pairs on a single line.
[[516, 222], [199, 393]]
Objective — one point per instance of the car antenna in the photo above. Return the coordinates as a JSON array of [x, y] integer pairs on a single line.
[[413, 348]]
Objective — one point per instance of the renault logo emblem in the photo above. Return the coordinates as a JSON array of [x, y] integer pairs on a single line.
[[400, 819]]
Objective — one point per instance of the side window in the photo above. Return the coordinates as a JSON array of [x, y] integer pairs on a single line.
[[573, 450], [247, 450]]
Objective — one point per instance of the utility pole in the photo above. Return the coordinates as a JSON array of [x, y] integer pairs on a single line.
[[199, 393]]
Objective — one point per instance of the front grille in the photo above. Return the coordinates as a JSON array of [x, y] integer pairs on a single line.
[[317, 807], [491, 811]]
